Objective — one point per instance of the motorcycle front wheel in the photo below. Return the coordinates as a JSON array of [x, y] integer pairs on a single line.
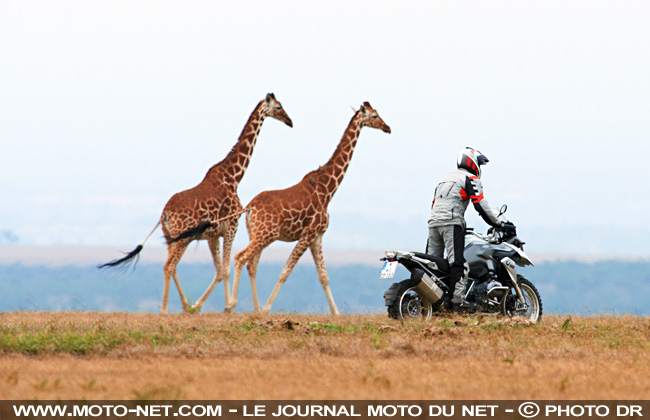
[[511, 306], [409, 304]]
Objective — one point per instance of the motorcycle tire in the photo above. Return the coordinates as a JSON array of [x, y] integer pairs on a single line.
[[409, 304], [509, 306]]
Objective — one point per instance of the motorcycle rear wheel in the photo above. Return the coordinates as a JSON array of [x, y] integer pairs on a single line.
[[409, 304], [512, 308]]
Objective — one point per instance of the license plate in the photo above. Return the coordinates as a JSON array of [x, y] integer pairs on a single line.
[[388, 270]]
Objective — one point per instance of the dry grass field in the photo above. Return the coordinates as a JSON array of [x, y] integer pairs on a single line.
[[244, 356]]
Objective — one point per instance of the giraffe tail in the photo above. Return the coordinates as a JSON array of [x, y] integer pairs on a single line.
[[191, 234], [130, 257], [196, 232]]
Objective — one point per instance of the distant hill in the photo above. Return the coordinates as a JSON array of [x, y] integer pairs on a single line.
[[565, 286]]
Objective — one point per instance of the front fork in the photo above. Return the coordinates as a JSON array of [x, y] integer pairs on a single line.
[[511, 268]]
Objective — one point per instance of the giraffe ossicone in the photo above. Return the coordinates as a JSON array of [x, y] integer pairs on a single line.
[[299, 213], [215, 198]]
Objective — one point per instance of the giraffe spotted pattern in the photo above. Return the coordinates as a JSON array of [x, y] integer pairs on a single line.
[[299, 213], [214, 198]]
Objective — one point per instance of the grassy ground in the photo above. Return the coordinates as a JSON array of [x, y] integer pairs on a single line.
[[217, 356]]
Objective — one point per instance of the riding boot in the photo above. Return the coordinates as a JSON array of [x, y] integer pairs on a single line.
[[456, 286]]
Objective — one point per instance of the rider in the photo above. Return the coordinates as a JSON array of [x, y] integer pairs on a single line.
[[447, 221]]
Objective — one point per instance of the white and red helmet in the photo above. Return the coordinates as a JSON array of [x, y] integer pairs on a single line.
[[471, 160]]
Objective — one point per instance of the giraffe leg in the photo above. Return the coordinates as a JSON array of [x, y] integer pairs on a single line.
[[297, 252], [240, 260], [252, 273], [213, 242], [228, 239], [184, 303], [174, 254], [250, 253], [317, 253]]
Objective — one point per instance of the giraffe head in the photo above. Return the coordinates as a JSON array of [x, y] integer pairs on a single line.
[[370, 118], [271, 107]]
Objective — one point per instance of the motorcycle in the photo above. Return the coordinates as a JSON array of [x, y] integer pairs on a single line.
[[493, 283]]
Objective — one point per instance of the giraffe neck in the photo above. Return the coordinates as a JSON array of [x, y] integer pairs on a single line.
[[331, 174], [232, 168]]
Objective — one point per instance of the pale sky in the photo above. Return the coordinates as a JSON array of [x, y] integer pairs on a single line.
[[108, 109]]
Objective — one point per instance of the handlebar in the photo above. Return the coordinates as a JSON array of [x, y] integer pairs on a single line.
[[494, 236], [490, 237]]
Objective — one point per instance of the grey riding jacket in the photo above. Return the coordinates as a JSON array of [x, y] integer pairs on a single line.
[[452, 196]]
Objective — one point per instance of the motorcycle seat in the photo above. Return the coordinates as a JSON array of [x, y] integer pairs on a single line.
[[443, 264]]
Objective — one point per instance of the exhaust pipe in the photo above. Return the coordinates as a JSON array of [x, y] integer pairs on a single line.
[[426, 286]]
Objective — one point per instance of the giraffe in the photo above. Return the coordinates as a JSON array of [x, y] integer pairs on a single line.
[[215, 197], [299, 213]]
